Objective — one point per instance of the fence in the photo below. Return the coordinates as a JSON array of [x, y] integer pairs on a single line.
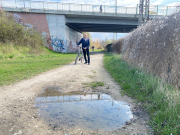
[[43, 5]]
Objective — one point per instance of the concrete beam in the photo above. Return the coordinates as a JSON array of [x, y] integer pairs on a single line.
[[101, 21], [103, 27], [10, 9], [75, 13]]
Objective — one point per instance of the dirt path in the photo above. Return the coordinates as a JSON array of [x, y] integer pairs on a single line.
[[18, 115]]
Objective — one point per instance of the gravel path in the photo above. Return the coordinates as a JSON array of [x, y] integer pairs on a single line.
[[18, 115]]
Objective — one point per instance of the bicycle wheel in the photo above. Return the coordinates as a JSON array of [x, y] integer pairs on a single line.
[[82, 59], [76, 60]]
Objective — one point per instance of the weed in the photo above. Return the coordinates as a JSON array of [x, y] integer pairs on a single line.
[[93, 84], [1, 57], [93, 71], [11, 56], [90, 76]]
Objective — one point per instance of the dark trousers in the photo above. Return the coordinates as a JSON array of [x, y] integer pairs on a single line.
[[86, 51]]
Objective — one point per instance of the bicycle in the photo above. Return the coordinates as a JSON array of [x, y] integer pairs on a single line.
[[80, 58]]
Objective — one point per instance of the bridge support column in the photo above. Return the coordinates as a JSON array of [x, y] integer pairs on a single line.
[[63, 38]]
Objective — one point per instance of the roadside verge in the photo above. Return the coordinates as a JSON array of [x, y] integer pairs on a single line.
[[158, 98]]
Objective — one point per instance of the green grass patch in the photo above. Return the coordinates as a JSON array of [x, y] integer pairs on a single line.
[[93, 84], [97, 50], [14, 69], [159, 99], [93, 71], [22, 52], [90, 76]]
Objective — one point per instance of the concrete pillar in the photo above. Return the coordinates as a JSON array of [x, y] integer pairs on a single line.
[[63, 38], [56, 24]]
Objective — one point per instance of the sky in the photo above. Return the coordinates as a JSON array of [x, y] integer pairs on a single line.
[[126, 3]]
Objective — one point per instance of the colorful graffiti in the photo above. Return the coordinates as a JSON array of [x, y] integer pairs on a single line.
[[58, 44], [72, 46], [23, 22], [18, 19]]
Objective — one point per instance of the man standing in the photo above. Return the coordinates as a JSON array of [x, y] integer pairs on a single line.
[[100, 9], [85, 46]]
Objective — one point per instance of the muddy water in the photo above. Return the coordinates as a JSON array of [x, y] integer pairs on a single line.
[[83, 110]]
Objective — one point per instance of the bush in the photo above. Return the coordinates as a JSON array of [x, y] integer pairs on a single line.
[[17, 34], [155, 47], [117, 46]]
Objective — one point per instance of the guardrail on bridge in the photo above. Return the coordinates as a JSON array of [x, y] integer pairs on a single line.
[[44, 5]]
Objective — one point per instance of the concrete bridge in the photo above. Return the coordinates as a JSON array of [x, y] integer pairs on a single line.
[[63, 23]]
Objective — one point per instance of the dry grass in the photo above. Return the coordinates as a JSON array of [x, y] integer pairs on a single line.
[[155, 47], [117, 46], [14, 33]]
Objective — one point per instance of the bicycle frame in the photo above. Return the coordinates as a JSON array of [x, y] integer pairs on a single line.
[[78, 56]]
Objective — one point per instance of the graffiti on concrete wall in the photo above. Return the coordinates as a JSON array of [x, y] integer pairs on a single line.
[[18, 19], [22, 21], [58, 44]]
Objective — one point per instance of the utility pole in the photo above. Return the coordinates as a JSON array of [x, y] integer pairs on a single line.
[[116, 13], [106, 39], [105, 36], [143, 9], [147, 10], [113, 37], [116, 6]]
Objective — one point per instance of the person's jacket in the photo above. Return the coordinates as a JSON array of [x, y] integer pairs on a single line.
[[85, 43]]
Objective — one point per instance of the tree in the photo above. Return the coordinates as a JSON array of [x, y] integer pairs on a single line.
[[109, 41]]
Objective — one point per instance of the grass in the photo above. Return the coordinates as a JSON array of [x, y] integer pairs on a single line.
[[22, 52], [159, 99], [22, 66], [19, 35], [93, 71], [90, 76], [93, 84], [97, 50]]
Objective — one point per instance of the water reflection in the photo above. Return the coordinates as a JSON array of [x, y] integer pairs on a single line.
[[83, 110]]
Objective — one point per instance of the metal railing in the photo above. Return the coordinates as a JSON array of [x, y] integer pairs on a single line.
[[43, 5]]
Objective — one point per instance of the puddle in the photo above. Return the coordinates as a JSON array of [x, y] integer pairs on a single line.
[[76, 109]]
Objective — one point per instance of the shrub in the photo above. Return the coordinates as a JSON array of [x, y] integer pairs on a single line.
[[155, 47], [17, 34], [117, 46]]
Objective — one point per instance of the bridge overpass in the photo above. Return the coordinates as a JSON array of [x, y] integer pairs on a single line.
[[67, 21]]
